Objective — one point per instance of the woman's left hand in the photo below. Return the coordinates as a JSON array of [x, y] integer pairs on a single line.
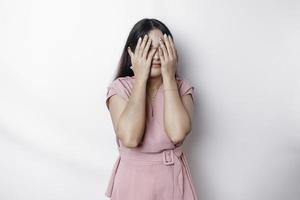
[[168, 57]]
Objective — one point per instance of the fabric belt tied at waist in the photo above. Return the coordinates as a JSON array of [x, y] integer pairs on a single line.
[[168, 157]]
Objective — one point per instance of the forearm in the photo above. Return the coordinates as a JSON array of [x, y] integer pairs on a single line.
[[176, 119], [132, 119]]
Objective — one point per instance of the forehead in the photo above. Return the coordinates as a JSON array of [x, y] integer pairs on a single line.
[[155, 34]]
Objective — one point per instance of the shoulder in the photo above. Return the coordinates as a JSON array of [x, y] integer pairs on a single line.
[[186, 87], [184, 84], [121, 86], [120, 83]]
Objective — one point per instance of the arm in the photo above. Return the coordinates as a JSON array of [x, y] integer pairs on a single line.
[[129, 117], [178, 112]]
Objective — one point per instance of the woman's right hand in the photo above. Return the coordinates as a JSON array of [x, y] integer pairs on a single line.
[[141, 59]]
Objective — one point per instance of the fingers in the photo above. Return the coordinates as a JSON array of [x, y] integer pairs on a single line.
[[145, 52], [151, 54], [161, 55], [141, 49], [130, 52], [163, 48], [172, 46], [166, 48], [137, 48], [167, 43]]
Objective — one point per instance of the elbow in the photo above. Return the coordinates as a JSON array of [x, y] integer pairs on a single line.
[[130, 143], [179, 137], [127, 138], [175, 141]]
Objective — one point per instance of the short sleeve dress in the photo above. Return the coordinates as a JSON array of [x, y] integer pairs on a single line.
[[156, 169]]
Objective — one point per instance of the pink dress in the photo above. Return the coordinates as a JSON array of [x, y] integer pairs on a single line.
[[156, 169]]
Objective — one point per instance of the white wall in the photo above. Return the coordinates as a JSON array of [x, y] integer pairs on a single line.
[[57, 57]]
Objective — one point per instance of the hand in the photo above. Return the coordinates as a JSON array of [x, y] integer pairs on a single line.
[[168, 56], [141, 58]]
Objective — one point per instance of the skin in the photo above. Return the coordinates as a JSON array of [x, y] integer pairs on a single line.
[[129, 117]]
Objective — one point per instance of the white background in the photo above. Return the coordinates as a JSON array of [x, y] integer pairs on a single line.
[[57, 58]]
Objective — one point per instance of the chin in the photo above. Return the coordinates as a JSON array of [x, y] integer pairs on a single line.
[[155, 73]]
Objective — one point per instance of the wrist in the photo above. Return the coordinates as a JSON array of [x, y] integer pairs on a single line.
[[141, 82], [170, 83], [168, 79]]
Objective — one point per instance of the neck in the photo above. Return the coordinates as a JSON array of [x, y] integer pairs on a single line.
[[154, 83]]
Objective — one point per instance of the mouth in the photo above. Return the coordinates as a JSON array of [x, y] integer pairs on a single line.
[[156, 64]]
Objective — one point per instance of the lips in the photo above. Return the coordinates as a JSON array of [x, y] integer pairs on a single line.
[[156, 64]]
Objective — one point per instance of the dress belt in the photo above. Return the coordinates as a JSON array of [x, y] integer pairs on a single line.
[[168, 157]]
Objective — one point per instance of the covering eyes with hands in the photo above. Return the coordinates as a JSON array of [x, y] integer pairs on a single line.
[[141, 58], [168, 56]]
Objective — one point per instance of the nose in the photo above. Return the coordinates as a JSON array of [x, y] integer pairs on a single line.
[[156, 55]]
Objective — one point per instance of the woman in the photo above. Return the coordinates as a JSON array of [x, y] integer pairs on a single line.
[[152, 111]]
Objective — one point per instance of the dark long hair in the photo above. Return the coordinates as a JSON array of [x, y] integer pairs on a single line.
[[142, 27]]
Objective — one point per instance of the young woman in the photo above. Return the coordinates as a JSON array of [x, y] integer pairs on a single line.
[[151, 110]]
